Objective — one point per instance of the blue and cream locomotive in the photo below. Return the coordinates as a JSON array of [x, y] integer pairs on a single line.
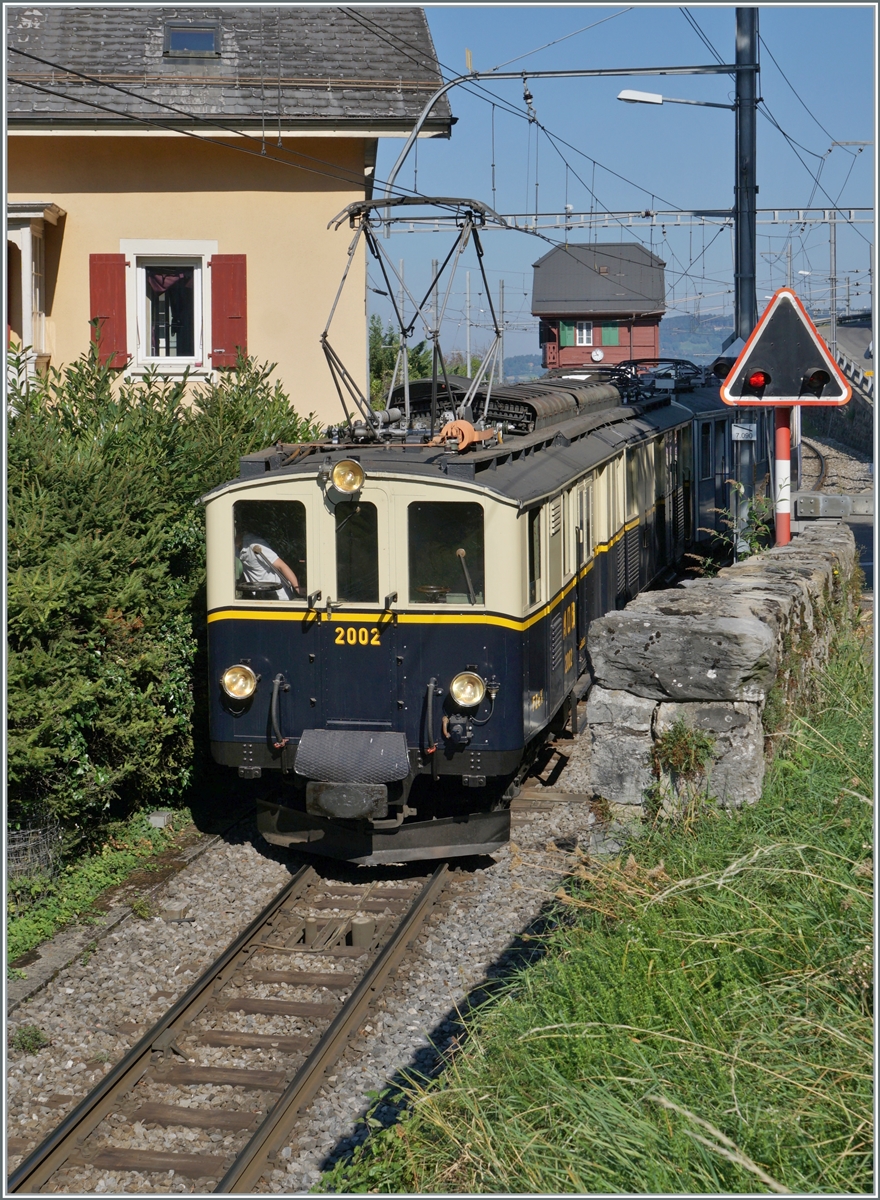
[[399, 678]]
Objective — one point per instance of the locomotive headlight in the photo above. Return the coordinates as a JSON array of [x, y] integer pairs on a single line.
[[467, 689], [347, 476], [238, 682]]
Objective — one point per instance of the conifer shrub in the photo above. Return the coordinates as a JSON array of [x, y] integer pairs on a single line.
[[106, 568]]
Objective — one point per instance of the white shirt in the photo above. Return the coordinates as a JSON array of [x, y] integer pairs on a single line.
[[257, 559]]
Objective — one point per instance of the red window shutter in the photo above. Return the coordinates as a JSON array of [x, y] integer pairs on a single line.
[[228, 308], [107, 307]]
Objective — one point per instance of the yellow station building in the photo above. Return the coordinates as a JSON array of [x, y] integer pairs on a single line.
[[172, 171]]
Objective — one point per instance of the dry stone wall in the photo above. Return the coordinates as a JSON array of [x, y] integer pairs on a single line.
[[723, 658]]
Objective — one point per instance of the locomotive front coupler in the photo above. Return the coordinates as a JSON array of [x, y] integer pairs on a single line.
[[457, 728]]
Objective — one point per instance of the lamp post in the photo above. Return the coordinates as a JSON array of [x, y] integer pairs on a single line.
[[745, 304], [745, 307]]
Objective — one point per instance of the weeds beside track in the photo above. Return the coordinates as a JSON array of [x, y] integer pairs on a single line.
[[702, 1023]]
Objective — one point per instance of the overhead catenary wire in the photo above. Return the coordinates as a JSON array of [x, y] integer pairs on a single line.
[[768, 115], [481, 92], [564, 38], [476, 89]]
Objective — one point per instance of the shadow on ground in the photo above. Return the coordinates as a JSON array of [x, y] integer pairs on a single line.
[[450, 1033]]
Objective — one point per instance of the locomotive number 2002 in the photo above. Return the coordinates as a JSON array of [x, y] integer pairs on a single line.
[[351, 635]]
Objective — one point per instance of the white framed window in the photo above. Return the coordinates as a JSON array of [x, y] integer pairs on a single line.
[[583, 333], [168, 305], [585, 517]]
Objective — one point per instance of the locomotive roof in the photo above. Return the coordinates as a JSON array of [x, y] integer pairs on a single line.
[[525, 470]]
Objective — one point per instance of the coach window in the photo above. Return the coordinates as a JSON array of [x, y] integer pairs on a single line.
[[534, 536], [357, 552], [585, 520], [266, 531], [632, 481], [609, 481], [705, 450], [569, 557], [446, 553]]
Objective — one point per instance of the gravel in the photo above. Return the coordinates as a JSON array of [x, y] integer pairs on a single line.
[[94, 1010], [847, 471]]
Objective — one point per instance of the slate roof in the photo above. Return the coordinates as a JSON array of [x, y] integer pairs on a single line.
[[569, 282], [321, 67]]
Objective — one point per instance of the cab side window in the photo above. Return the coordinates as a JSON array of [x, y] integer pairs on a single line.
[[270, 550]]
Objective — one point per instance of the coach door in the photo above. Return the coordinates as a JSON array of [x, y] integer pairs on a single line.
[[357, 638]]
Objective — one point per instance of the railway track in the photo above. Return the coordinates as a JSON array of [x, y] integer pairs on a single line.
[[818, 467], [308, 967]]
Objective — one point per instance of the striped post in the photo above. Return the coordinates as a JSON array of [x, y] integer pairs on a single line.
[[783, 476]]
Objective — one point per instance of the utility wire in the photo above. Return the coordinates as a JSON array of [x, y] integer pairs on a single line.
[[398, 43], [492, 97], [564, 38], [797, 95], [789, 139], [695, 26], [346, 177]]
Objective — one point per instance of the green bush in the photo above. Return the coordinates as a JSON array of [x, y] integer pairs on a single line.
[[106, 578]]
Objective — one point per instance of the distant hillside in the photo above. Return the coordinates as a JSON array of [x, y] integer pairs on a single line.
[[520, 367], [698, 339]]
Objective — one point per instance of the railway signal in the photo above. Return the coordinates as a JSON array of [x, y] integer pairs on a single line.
[[785, 363]]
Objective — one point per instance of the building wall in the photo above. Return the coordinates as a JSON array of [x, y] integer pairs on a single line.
[[115, 188], [635, 339]]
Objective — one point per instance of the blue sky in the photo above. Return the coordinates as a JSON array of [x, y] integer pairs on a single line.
[[670, 156]]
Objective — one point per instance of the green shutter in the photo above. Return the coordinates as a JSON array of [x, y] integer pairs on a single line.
[[566, 333], [610, 335]]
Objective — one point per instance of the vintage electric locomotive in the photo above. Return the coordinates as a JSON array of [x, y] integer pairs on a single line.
[[444, 559]]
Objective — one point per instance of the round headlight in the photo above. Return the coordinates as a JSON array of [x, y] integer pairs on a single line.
[[467, 689], [239, 682], [347, 476]]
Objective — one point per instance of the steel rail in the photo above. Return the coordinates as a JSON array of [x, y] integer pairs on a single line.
[[823, 465], [272, 1133], [68, 1137]]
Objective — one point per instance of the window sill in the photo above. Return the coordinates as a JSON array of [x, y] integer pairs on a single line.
[[168, 370]]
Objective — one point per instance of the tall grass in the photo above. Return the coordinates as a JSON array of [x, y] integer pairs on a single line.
[[702, 1021]]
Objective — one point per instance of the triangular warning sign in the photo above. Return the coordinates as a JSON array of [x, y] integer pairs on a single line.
[[785, 361]]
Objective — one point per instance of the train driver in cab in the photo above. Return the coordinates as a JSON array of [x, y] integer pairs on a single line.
[[261, 565]]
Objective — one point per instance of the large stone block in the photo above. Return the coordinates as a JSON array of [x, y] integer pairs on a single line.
[[621, 709], [776, 603], [620, 764], [683, 657], [735, 774]]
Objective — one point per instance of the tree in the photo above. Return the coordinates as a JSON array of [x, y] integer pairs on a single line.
[[384, 348], [455, 364]]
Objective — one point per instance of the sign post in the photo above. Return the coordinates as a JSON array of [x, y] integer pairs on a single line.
[[784, 364], [783, 475]]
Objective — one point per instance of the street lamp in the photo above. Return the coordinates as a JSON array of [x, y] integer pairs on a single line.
[[745, 193], [630, 97]]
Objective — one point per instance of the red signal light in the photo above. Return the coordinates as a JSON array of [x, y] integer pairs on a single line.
[[759, 379]]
